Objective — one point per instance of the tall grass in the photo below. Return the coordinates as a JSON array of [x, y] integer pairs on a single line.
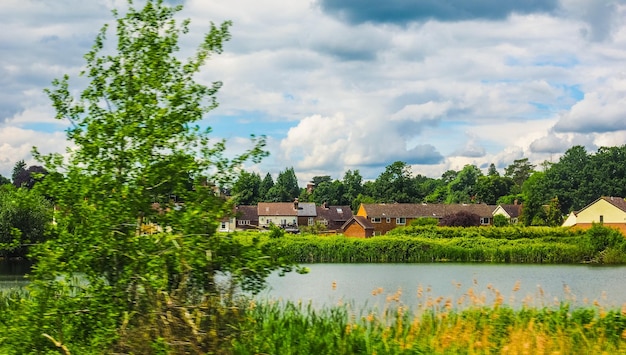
[[480, 244], [437, 326]]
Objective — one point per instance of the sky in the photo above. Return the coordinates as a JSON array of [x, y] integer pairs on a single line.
[[339, 85]]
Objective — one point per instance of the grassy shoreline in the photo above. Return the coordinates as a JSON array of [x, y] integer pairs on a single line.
[[598, 245]]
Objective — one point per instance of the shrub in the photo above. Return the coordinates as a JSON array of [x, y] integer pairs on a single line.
[[461, 219]]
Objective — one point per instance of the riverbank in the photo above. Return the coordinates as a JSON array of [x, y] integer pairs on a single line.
[[598, 245]]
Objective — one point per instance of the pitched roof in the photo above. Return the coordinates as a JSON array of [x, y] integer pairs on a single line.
[[276, 209], [362, 221], [437, 210], [618, 202], [334, 213], [513, 211], [306, 209], [247, 213]]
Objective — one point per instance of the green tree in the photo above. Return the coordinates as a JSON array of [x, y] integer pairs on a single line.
[[353, 187], [17, 169], [286, 187], [519, 171], [463, 188], [266, 186], [4, 181], [330, 192], [492, 171], [395, 184], [246, 190], [135, 128], [489, 189], [24, 217]]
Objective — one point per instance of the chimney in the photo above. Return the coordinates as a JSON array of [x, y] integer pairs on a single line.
[[295, 204]]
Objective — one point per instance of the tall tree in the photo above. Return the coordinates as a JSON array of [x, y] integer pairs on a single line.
[[395, 184], [492, 171], [246, 190], [19, 167], [266, 186], [353, 187], [29, 177], [519, 171], [463, 188], [4, 181], [285, 188], [135, 128]]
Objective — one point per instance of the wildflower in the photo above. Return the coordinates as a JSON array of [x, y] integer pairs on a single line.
[[516, 287], [334, 285]]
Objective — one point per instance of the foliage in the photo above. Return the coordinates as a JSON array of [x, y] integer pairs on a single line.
[[519, 171], [462, 189], [4, 181], [24, 217], [29, 177], [18, 168], [442, 325], [285, 189], [246, 190], [461, 219], [425, 221], [151, 269], [500, 221]]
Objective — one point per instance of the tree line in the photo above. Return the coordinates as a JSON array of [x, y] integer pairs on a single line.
[[547, 192]]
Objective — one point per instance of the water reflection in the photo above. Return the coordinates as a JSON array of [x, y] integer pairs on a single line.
[[375, 285]]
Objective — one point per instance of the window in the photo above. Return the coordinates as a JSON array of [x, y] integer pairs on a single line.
[[401, 220], [243, 222], [310, 221], [223, 225], [484, 220], [324, 222], [601, 219], [375, 219], [388, 220]]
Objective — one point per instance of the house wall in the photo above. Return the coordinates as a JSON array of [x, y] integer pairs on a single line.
[[355, 230], [500, 210], [610, 213], [619, 226], [226, 226], [278, 220], [387, 224]]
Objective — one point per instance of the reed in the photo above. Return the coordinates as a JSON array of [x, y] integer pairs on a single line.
[[438, 326], [417, 244]]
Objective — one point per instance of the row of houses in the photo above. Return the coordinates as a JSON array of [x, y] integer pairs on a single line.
[[290, 216], [370, 219], [380, 218]]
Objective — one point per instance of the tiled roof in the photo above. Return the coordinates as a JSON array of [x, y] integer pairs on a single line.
[[334, 213], [306, 209], [247, 213], [410, 210], [362, 221], [276, 209], [618, 202], [513, 211]]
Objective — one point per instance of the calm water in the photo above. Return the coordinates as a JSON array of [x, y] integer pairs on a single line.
[[539, 285], [12, 274]]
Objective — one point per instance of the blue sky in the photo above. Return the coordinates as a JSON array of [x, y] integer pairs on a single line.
[[358, 84]]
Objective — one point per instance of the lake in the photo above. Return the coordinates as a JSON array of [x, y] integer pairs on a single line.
[[376, 285]]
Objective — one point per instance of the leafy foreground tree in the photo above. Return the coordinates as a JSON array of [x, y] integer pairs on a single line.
[[104, 285]]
